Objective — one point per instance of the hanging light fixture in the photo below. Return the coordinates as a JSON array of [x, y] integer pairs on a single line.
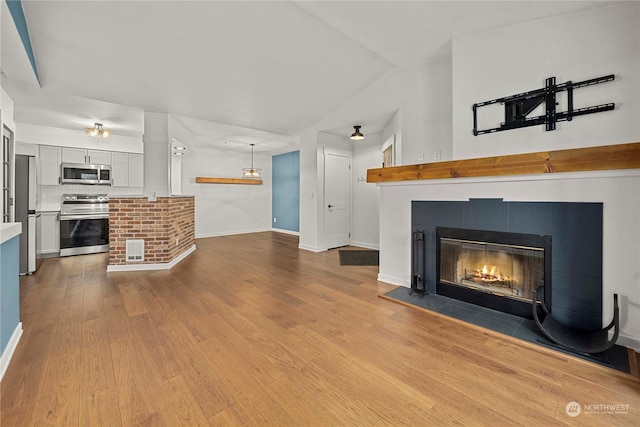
[[251, 173], [357, 135], [97, 131]]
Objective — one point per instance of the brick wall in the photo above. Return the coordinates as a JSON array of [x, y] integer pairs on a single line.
[[167, 227]]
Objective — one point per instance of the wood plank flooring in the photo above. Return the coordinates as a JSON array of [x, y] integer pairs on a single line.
[[249, 330]]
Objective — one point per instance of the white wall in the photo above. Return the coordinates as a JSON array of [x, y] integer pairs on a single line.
[[518, 58], [365, 226], [426, 116], [223, 209]]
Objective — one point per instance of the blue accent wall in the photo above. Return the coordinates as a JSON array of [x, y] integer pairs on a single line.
[[15, 8], [285, 206], [9, 290]]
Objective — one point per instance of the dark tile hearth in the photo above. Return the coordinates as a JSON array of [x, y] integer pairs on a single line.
[[504, 323]]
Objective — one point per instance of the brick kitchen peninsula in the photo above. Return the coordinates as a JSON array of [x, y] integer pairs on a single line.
[[166, 226]]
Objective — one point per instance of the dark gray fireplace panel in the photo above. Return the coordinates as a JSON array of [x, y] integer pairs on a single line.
[[576, 232], [530, 217], [486, 214]]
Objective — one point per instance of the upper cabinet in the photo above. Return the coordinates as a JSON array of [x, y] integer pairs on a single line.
[[80, 155], [127, 169], [49, 165], [136, 170]]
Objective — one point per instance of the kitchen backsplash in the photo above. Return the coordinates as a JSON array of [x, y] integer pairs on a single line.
[[49, 197]]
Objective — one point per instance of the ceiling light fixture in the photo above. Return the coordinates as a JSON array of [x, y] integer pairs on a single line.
[[357, 135], [98, 131], [251, 173]]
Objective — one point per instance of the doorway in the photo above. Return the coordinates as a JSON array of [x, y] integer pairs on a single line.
[[337, 198], [7, 175]]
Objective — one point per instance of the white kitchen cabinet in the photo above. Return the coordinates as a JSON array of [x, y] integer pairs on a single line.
[[136, 170], [127, 169], [99, 157], [48, 233], [80, 155], [120, 169], [48, 165]]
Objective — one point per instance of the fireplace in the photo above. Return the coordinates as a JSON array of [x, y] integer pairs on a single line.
[[497, 270], [520, 233]]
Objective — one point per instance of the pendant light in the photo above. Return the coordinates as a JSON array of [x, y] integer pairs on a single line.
[[97, 131], [357, 135], [251, 173]]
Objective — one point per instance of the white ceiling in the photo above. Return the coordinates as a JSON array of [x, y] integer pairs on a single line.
[[266, 70]]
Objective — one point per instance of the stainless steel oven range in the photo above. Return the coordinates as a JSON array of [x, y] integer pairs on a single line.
[[84, 224]]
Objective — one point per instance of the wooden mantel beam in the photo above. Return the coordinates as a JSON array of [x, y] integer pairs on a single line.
[[212, 180], [607, 157]]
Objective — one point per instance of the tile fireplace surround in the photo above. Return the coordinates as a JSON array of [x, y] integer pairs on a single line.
[[617, 190], [575, 232]]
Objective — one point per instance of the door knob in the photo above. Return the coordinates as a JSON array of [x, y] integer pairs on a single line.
[[331, 206]]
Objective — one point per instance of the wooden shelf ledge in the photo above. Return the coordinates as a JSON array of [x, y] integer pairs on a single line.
[[210, 180], [607, 157]]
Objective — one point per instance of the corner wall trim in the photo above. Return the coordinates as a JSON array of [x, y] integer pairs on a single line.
[[231, 233], [393, 280], [7, 354], [283, 231], [310, 248], [143, 267], [365, 245], [629, 342]]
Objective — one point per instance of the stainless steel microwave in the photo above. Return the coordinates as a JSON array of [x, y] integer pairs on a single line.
[[85, 173]]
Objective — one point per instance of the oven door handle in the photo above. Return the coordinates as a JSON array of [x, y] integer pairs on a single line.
[[74, 217]]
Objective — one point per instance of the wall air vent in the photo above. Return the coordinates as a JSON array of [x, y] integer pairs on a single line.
[[135, 250]]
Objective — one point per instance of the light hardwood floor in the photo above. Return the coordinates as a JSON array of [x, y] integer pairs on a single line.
[[250, 330]]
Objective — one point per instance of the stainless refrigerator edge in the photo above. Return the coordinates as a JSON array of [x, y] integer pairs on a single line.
[[25, 198]]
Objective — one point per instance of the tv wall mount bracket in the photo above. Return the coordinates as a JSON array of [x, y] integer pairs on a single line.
[[518, 107]]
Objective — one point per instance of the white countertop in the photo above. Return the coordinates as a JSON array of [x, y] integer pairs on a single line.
[[9, 230]]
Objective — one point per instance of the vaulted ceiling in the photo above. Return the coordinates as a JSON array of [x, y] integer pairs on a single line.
[[275, 67]]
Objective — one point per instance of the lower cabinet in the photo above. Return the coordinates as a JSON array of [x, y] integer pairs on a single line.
[[48, 233]]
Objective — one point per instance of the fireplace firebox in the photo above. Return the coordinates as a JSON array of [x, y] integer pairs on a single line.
[[497, 270]]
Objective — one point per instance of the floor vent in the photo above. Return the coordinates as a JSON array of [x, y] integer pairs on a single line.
[[135, 250]]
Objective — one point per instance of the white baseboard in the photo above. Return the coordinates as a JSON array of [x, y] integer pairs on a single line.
[[144, 267], [231, 233], [7, 354], [365, 245], [310, 248], [629, 342], [280, 230], [393, 280]]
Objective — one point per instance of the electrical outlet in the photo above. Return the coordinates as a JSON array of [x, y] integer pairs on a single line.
[[274, 219], [436, 155]]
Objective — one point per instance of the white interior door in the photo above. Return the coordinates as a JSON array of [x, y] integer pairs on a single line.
[[337, 197]]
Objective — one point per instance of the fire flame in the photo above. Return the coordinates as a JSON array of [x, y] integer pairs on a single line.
[[492, 275]]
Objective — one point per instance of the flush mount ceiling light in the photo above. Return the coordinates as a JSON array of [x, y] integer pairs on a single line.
[[251, 173], [357, 135], [98, 131]]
